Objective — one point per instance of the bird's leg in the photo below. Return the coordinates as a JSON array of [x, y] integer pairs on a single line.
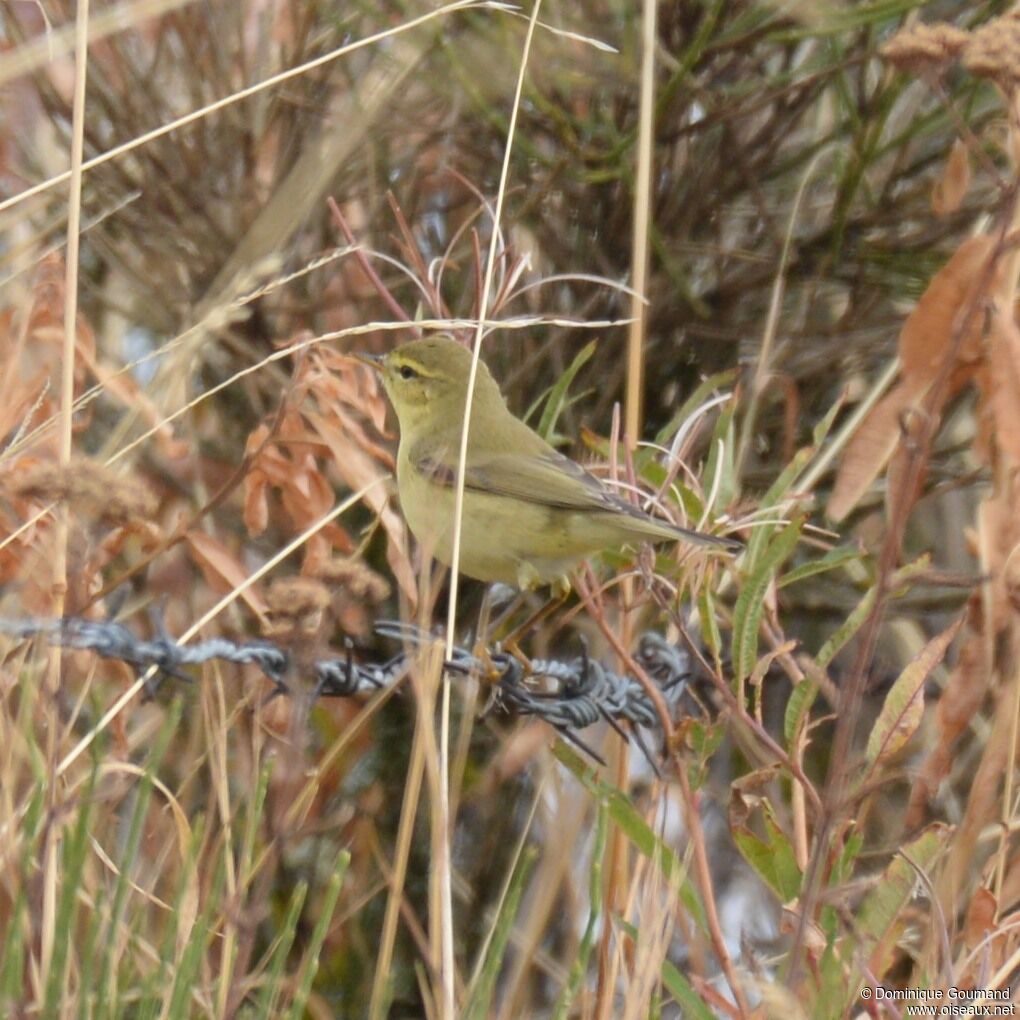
[[495, 626], [510, 642], [487, 628]]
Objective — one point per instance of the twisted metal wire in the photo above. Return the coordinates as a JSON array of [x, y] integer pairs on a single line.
[[570, 694]]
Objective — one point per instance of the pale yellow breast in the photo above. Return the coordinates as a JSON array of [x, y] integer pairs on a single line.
[[502, 539]]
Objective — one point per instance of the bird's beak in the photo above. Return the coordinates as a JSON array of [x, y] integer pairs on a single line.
[[372, 360]]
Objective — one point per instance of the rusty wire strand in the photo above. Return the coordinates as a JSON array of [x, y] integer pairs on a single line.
[[568, 694]]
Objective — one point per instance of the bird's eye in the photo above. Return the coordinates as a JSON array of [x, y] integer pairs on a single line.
[[406, 372]]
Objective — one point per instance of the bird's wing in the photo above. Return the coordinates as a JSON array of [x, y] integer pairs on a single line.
[[547, 479]]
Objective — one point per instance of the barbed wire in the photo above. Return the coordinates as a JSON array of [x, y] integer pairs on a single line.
[[569, 694]]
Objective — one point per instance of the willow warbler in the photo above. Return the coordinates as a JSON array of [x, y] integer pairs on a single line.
[[529, 512]]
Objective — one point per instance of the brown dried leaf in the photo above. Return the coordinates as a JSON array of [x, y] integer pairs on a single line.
[[358, 470], [256, 484], [868, 452], [928, 337], [1004, 359], [951, 187], [928, 334], [337, 381], [305, 493], [983, 804], [962, 697], [222, 570], [980, 917]]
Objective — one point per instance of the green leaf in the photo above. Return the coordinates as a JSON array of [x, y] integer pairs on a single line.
[[704, 738], [844, 864], [847, 629], [893, 892], [903, 708], [480, 1000], [75, 852], [720, 484], [708, 617], [273, 984], [751, 601], [830, 561], [855, 620], [310, 962], [797, 709], [821, 430], [776, 496], [706, 389], [556, 399], [687, 998], [772, 857]]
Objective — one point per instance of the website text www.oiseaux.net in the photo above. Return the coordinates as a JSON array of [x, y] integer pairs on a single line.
[[945, 1002]]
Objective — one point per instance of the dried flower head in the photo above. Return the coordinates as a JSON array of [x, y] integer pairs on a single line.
[[994, 51], [925, 47], [296, 606], [356, 578], [356, 588], [93, 491]]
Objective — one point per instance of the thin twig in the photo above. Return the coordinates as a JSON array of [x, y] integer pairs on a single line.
[[369, 270]]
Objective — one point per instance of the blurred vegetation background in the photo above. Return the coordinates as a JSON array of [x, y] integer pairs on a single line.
[[169, 871]]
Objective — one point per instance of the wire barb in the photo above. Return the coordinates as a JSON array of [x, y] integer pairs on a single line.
[[569, 694]]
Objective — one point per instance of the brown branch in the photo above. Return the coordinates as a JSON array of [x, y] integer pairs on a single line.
[[367, 268]]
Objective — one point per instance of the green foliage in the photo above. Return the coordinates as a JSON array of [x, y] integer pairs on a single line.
[[760, 571], [479, 1002], [555, 399], [771, 856]]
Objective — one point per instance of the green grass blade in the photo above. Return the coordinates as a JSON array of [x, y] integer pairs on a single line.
[[310, 964], [478, 1006], [751, 601], [579, 967], [271, 983]]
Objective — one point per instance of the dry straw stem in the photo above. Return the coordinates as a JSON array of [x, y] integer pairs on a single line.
[[616, 869], [642, 219], [444, 864], [51, 852], [128, 696], [423, 737]]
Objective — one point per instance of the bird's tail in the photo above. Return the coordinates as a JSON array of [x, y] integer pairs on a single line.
[[654, 529]]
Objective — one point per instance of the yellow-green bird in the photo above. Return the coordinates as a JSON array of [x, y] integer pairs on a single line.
[[530, 513]]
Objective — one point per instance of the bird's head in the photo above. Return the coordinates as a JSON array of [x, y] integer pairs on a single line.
[[426, 381]]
